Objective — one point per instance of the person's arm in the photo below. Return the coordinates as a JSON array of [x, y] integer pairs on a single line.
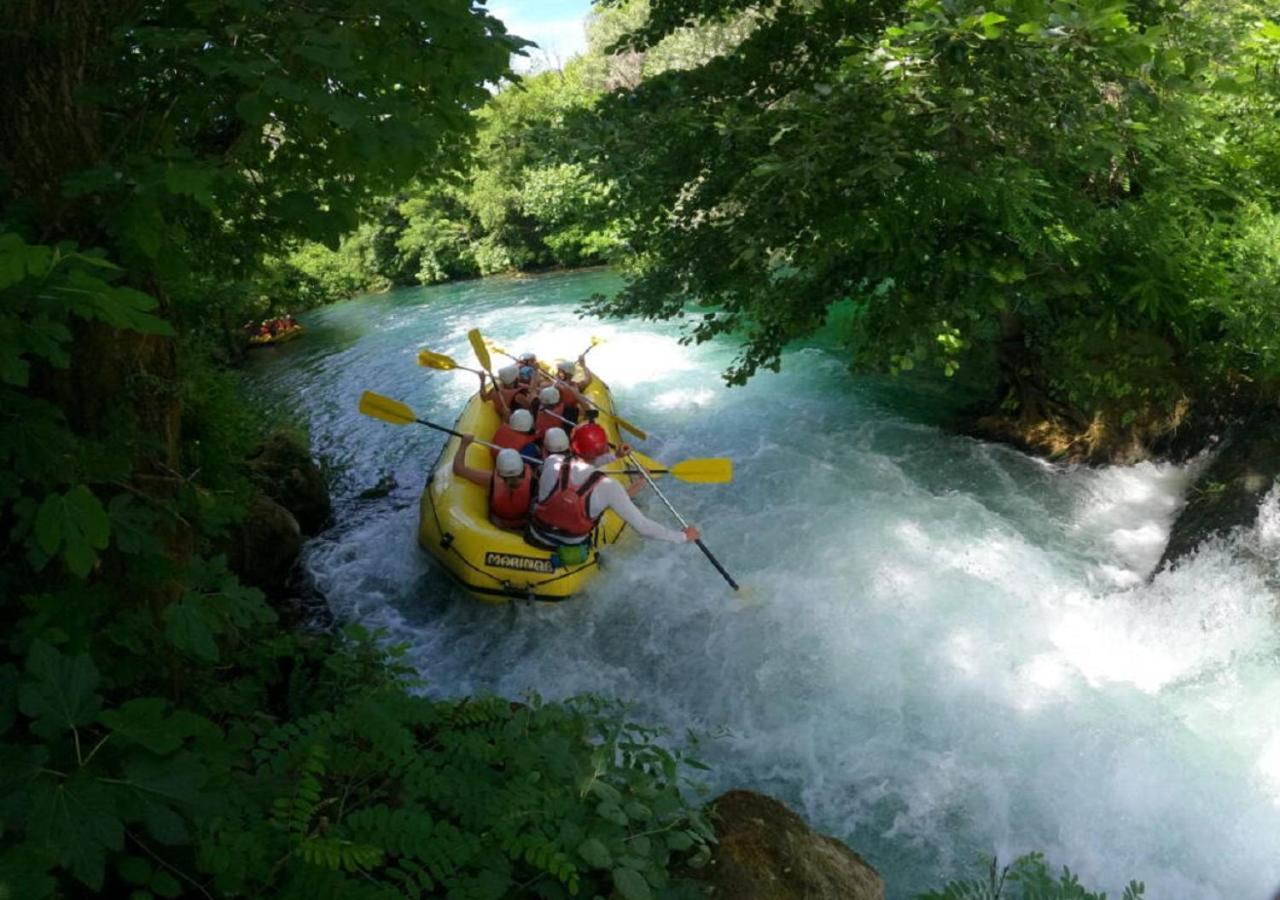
[[610, 494], [587, 375], [462, 470]]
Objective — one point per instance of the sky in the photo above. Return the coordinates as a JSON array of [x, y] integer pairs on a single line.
[[555, 25]]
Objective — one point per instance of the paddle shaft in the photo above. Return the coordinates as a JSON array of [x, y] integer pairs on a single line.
[[679, 518], [528, 459]]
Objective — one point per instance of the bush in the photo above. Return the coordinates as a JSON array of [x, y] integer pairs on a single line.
[[1028, 878]]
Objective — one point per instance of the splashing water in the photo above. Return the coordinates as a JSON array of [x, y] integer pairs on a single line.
[[949, 649]]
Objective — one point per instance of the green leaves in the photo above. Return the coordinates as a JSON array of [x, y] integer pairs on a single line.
[[190, 625], [77, 817], [146, 721], [595, 853], [59, 692], [74, 525], [631, 884]]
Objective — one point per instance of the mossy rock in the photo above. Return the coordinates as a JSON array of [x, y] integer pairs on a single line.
[[284, 470], [767, 852]]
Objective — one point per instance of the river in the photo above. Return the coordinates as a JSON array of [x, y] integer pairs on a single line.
[[945, 649]]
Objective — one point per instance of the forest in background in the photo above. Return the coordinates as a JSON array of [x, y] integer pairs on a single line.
[[1079, 196]]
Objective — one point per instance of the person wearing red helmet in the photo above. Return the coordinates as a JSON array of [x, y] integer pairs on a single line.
[[573, 494]]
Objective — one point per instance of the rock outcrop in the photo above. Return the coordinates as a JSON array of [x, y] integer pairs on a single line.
[[284, 470], [1227, 495], [767, 852], [262, 549]]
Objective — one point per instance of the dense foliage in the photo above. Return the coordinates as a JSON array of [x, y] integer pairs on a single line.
[[526, 197], [160, 733], [1083, 192]]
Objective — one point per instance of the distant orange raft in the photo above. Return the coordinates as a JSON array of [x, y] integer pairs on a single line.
[[262, 340], [493, 564]]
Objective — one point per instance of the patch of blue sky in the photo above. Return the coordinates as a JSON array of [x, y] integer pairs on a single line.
[[556, 26]]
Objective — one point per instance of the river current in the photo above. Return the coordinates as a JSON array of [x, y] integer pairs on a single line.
[[946, 650]]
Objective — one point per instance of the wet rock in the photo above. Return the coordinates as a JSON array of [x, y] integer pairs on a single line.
[[1229, 492], [263, 548], [283, 468], [767, 852], [386, 484]]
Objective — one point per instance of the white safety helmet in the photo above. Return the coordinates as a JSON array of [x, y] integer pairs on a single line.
[[565, 368], [527, 359], [556, 441], [549, 396], [522, 420], [510, 464], [507, 375]]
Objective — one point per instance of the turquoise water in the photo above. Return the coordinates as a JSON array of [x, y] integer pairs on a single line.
[[947, 649]]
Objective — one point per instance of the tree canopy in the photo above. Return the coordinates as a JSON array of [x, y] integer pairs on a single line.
[[1079, 189]]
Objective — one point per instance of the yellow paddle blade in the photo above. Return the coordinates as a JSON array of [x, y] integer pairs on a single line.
[[386, 409], [712, 470], [704, 471], [482, 352], [627, 426], [497, 348], [436, 361]]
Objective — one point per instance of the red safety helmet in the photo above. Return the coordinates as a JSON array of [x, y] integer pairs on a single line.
[[589, 441]]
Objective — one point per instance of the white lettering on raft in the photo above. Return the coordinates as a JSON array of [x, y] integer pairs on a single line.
[[523, 563]]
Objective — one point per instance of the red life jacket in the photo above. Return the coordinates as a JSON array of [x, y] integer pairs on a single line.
[[509, 507], [506, 436], [564, 513], [517, 397], [546, 420]]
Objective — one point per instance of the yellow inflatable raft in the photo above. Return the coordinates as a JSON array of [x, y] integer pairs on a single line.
[[496, 565]]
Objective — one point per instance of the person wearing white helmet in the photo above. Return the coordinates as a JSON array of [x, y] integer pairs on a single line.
[[571, 387], [511, 394], [550, 411], [510, 484], [532, 372], [517, 434], [554, 442]]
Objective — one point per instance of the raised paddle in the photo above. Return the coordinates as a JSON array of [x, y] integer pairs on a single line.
[[679, 518], [397, 413], [481, 351], [430, 360], [622, 423], [595, 342]]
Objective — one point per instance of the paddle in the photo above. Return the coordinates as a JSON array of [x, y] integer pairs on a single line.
[[697, 471], [679, 518], [397, 413], [622, 423], [430, 360]]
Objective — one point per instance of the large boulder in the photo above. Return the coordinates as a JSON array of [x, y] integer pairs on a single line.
[[283, 468], [767, 852], [1228, 494], [262, 549]]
